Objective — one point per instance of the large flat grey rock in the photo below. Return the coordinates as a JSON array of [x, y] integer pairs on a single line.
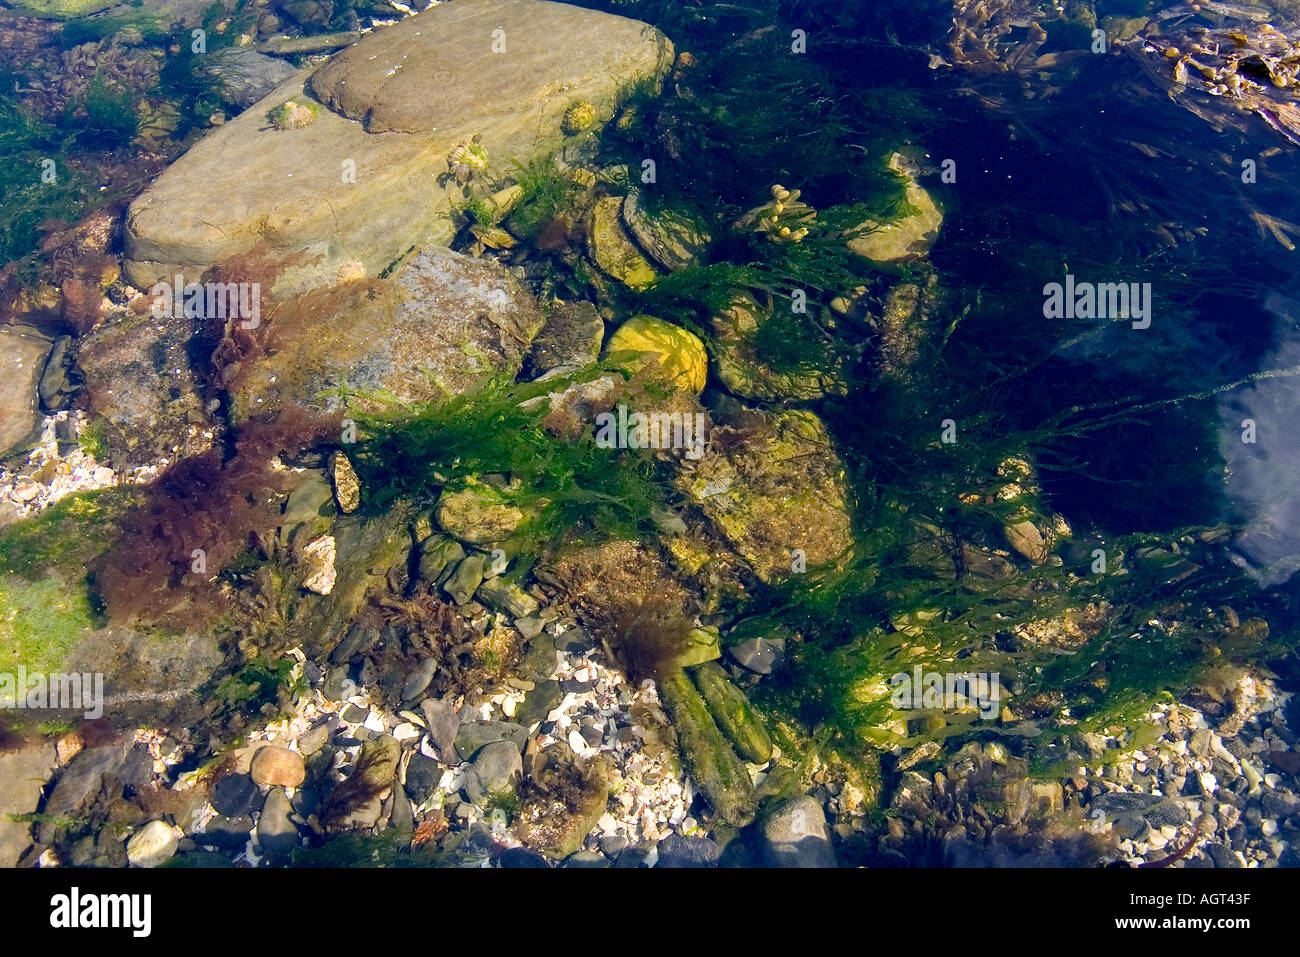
[[248, 182]]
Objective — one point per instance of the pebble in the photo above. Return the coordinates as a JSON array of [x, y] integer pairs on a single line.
[[153, 844], [419, 679], [274, 766]]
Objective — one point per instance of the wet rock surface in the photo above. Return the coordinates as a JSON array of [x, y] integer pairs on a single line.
[[443, 323], [449, 91]]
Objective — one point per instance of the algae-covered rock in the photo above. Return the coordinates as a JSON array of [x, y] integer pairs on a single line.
[[908, 237], [465, 578], [479, 514], [437, 554], [145, 385], [571, 337], [703, 644], [778, 493], [49, 623], [680, 356], [672, 239], [495, 770], [366, 549], [613, 250], [442, 324], [562, 801], [355, 801], [733, 713], [507, 597], [713, 765], [743, 370]]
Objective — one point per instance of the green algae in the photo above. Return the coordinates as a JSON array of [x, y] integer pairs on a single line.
[[46, 603], [415, 452]]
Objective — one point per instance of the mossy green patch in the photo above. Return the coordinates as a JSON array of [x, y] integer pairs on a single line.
[[415, 451], [45, 602], [40, 622]]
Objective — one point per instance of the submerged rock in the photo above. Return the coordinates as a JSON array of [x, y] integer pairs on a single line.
[[676, 357], [245, 76], [564, 798], [439, 326], [23, 774], [507, 598], [152, 845], [356, 801], [733, 713], [495, 770], [908, 237], [146, 389], [437, 555], [713, 766], [478, 514], [613, 250], [778, 495], [670, 238], [23, 357], [275, 766], [743, 370], [398, 102], [794, 834], [570, 338], [276, 833], [465, 578]]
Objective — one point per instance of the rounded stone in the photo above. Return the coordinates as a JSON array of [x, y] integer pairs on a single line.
[[683, 362], [153, 844], [274, 766]]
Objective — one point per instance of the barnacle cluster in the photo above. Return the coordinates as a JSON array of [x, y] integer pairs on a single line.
[[466, 159], [293, 114], [578, 117]]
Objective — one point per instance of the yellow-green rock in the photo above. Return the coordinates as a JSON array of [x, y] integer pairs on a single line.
[[744, 371], [681, 357], [478, 514], [613, 251], [713, 765], [702, 646], [733, 713], [910, 236]]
